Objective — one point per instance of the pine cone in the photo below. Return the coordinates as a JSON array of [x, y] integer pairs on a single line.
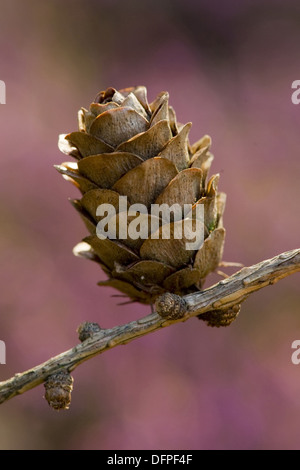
[[127, 147]]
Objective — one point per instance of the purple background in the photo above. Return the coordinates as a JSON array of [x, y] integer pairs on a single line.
[[228, 67]]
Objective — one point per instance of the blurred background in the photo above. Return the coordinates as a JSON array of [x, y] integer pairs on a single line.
[[228, 67]]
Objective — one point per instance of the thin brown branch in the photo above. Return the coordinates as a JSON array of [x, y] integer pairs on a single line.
[[220, 297]]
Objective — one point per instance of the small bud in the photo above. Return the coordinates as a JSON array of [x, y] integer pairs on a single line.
[[58, 388], [217, 318], [171, 306], [87, 330]]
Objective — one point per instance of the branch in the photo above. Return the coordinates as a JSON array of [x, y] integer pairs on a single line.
[[218, 299]]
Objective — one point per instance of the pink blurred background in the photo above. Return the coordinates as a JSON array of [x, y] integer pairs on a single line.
[[228, 67]]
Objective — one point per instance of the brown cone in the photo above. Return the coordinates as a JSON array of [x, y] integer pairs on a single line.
[[128, 147]]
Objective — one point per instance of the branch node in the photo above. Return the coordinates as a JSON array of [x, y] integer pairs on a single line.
[[217, 303], [219, 318], [87, 330], [171, 306], [58, 388]]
